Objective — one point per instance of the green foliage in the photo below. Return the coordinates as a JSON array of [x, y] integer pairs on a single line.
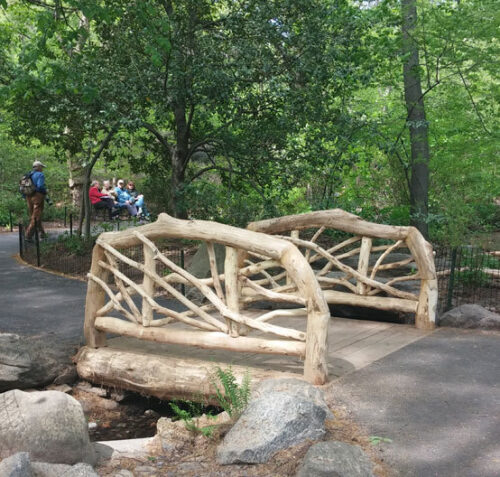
[[375, 440], [188, 412], [232, 397]]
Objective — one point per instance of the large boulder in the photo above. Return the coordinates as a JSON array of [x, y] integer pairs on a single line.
[[20, 465], [199, 265], [34, 361], [279, 416], [17, 465], [335, 459], [49, 425], [471, 316]]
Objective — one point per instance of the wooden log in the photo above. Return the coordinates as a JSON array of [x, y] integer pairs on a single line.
[[162, 283], [294, 234], [124, 294], [94, 301], [422, 253], [273, 295], [363, 262], [383, 256], [336, 219], [282, 313], [337, 281], [214, 271], [269, 278], [335, 248], [221, 306], [378, 302], [315, 237], [201, 339], [116, 304], [425, 317], [148, 285], [318, 315], [161, 376], [367, 281], [210, 324], [232, 284], [167, 226]]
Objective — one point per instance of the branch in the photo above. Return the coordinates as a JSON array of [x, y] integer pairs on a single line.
[[157, 134], [472, 101], [104, 144]]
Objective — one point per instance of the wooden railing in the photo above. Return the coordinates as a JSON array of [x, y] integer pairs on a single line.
[[268, 269], [363, 284]]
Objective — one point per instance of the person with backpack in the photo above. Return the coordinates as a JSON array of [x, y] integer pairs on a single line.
[[35, 197]]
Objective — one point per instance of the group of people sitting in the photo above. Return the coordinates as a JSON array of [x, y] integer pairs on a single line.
[[117, 198]]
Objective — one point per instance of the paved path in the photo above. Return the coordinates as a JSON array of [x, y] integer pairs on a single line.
[[34, 302], [437, 398]]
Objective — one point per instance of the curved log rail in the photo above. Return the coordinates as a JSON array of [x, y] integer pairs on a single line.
[[272, 268], [362, 285]]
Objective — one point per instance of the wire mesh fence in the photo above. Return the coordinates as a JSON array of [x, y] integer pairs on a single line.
[[468, 274], [71, 255]]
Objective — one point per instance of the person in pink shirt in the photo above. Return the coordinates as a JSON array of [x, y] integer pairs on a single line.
[[102, 201]]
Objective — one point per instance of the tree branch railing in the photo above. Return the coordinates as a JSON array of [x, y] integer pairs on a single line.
[[223, 318], [363, 283]]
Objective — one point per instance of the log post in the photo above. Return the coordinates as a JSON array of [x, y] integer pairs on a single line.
[[148, 285], [364, 260], [425, 317], [293, 234], [318, 315], [232, 287], [94, 301]]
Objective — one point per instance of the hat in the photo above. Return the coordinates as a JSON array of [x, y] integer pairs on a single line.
[[121, 181], [38, 164]]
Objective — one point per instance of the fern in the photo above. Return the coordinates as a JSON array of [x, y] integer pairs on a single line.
[[233, 398], [194, 409]]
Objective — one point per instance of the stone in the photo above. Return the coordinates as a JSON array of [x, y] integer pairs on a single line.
[[294, 387], [50, 425], [470, 316], [200, 264], [63, 388], [17, 465], [43, 469], [276, 419], [124, 473], [335, 459], [170, 435], [33, 361]]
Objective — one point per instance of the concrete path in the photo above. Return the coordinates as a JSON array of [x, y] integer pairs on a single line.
[[437, 399], [34, 302]]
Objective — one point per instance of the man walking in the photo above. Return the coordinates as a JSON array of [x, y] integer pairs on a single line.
[[36, 201]]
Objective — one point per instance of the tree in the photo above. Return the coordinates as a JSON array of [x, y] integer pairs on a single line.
[[416, 120]]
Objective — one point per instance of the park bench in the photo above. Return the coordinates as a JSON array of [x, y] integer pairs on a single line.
[[250, 303]]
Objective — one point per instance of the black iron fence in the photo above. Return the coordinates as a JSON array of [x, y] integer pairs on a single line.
[[465, 274], [468, 275], [65, 252]]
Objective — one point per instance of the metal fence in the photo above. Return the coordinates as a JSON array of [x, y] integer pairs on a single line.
[[468, 275], [66, 253], [465, 274]]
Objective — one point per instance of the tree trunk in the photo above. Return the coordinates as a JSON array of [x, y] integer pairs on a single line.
[[179, 160], [86, 201], [417, 123]]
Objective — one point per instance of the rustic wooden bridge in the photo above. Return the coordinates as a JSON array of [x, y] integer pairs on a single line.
[[266, 309]]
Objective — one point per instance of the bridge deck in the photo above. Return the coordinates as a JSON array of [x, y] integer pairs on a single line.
[[352, 344]]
